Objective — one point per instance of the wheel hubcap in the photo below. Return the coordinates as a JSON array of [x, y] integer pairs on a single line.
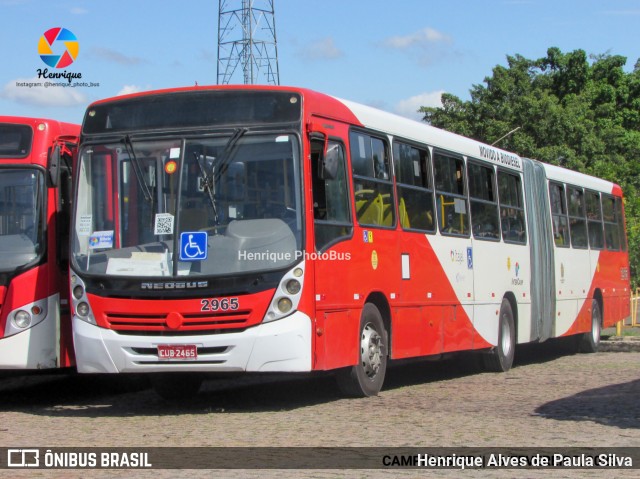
[[505, 341], [595, 329], [371, 350]]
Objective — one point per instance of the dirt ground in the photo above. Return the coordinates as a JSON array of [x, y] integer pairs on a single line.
[[548, 399]]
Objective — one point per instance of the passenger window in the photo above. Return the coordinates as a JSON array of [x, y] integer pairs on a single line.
[[577, 221], [373, 188], [559, 215], [484, 202], [594, 220], [415, 194], [451, 200], [512, 218], [611, 231], [331, 210], [621, 228]]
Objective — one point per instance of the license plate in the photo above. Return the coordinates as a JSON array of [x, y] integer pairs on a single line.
[[184, 352]]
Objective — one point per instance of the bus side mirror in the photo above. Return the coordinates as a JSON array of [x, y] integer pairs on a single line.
[[327, 164], [330, 162], [54, 166]]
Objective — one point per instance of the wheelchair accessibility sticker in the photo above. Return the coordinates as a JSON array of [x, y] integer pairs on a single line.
[[193, 246]]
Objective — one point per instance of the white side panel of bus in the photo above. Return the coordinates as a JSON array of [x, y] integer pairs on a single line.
[[573, 278], [452, 253], [501, 268]]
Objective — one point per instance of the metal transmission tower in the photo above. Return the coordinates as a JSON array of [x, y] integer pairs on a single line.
[[247, 37]]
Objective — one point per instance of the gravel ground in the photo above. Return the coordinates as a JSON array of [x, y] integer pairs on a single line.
[[548, 399]]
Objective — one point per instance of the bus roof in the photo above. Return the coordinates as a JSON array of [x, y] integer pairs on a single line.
[[413, 130], [366, 116], [564, 175], [34, 121], [397, 126]]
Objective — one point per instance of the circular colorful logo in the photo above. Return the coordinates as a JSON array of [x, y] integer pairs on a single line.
[[58, 47]]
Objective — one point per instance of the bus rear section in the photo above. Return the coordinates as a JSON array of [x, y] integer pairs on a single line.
[[36, 158], [589, 254]]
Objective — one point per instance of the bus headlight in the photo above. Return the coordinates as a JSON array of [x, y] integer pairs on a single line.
[[29, 315], [80, 301], [293, 286], [284, 305], [78, 292], [287, 296], [82, 309], [22, 319]]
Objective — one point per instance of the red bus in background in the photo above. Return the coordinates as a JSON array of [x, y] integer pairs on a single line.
[[245, 228], [35, 202]]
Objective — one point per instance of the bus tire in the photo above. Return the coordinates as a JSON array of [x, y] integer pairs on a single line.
[[365, 378], [589, 342], [176, 386], [500, 358]]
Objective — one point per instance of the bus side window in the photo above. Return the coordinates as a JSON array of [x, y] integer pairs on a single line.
[[511, 208], [415, 192], [577, 221], [331, 210], [484, 202], [611, 231], [559, 215], [451, 199], [621, 227], [594, 220], [372, 182]]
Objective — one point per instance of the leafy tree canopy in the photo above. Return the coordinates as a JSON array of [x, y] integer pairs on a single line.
[[573, 110]]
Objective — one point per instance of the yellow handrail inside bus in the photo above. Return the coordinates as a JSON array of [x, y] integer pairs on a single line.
[[450, 203]]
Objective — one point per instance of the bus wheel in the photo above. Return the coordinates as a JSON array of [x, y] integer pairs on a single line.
[[366, 378], [589, 342], [176, 386], [500, 358]]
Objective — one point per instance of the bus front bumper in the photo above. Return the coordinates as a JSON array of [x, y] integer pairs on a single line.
[[278, 346]]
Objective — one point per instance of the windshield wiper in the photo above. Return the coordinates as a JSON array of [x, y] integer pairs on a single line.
[[225, 158], [135, 164], [218, 169], [208, 185]]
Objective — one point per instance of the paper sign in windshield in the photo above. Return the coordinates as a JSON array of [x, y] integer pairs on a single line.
[[163, 224], [101, 239]]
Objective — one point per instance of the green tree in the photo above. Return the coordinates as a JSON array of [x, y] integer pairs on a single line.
[[573, 110]]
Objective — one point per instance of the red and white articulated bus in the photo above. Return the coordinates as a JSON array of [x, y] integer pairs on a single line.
[[246, 228], [35, 205]]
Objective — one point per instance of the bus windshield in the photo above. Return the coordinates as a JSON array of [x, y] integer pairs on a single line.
[[15, 140], [21, 225], [188, 207]]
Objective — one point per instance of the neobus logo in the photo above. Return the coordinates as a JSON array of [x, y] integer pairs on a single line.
[[175, 285]]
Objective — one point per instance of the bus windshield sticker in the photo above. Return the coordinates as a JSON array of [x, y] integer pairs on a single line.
[[84, 225], [101, 240], [193, 246], [174, 153], [163, 224]]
